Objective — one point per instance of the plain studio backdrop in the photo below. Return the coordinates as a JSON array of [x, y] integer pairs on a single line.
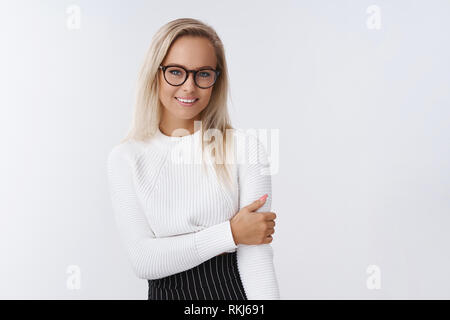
[[359, 91]]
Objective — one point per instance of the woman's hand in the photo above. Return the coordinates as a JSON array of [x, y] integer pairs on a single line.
[[249, 227]]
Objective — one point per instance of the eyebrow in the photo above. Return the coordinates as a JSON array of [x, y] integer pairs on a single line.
[[179, 65]]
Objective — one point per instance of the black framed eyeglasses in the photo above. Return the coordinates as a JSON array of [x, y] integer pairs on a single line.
[[177, 75]]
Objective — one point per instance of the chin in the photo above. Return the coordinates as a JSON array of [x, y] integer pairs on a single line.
[[184, 114], [187, 115]]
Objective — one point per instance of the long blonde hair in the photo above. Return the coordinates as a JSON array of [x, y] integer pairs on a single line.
[[147, 112]]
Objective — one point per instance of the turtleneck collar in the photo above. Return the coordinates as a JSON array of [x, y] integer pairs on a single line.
[[169, 141]]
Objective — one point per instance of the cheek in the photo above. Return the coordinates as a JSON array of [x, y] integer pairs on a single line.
[[206, 95], [166, 92]]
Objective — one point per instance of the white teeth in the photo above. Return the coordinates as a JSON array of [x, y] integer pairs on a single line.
[[186, 101]]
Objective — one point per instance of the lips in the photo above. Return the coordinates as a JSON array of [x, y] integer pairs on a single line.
[[187, 98], [186, 104]]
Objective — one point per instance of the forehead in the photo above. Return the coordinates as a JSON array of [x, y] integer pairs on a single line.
[[191, 52]]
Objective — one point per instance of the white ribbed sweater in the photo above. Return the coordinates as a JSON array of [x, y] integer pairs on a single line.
[[172, 216]]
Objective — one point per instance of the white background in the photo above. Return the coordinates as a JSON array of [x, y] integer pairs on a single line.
[[363, 118]]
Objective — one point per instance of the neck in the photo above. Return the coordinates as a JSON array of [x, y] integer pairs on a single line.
[[179, 127]]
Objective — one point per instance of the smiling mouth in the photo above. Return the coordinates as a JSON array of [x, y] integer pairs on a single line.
[[186, 103]]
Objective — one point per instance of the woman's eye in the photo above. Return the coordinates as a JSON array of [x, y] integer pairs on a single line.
[[204, 74], [174, 72]]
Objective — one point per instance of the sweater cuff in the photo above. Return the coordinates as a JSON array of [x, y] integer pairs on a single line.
[[214, 240]]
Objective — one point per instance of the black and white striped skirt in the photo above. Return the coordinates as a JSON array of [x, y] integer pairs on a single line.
[[215, 279]]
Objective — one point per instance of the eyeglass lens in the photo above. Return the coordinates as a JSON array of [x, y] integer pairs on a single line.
[[204, 78]]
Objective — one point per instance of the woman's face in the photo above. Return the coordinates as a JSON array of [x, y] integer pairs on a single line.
[[192, 53]]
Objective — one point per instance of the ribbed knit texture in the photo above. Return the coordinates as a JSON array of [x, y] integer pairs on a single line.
[[172, 216]]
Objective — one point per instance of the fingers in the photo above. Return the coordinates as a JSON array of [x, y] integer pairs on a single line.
[[255, 205], [269, 215], [268, 239]]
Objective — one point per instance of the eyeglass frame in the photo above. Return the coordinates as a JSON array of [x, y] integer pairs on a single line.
[[194, 72]]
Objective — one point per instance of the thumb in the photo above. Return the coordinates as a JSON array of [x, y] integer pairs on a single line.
[[257, 203]]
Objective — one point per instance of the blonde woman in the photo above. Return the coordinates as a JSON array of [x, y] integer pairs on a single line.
[[191, 203]]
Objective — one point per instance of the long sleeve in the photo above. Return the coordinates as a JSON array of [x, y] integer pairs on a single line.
[[255, 262], [151, 257]]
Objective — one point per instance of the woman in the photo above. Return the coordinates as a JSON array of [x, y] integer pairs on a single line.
[[193, 229]]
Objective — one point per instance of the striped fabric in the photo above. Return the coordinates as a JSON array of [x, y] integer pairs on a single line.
[[215, 279]]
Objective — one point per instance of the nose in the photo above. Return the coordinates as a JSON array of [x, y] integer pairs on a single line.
[[189, 84]]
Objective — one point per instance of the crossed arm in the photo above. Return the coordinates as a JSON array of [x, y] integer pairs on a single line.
[[255, 262]]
